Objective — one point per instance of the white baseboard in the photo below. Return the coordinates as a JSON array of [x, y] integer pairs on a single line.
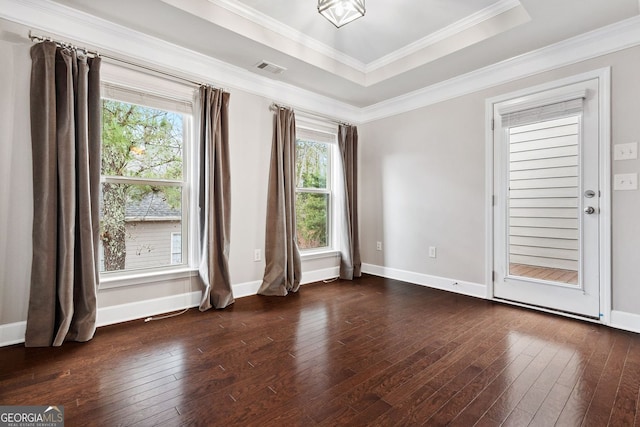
[[319, 275], [141, 309], [251, 288], [13, 333], [246, 289], [619, 319], [452, 285], [625, 321]]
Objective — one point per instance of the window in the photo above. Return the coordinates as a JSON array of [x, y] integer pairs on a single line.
[[143, 197], [176, 248], [315, 150]]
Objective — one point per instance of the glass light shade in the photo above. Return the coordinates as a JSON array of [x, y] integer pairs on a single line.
[[341, 12]]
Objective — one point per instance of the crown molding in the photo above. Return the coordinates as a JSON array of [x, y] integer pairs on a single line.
[[290, 41], [605, 40], [239, 21], [453, 43], [68, 24], [72, 25], [276, 26], [449, 31]]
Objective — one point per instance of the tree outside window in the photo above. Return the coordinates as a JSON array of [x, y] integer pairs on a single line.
[[313, 194], [142, 182]]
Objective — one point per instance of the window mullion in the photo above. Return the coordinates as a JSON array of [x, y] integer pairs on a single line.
[[140, 181], [313, 190]]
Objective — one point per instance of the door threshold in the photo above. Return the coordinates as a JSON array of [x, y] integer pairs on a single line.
[[591, 319]]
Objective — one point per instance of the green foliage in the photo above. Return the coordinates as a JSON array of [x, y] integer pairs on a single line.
[[311, 220], [312, 161], [138, 142], [312, 166]]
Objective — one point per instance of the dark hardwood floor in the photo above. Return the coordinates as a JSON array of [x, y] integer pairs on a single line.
[[368, 352]]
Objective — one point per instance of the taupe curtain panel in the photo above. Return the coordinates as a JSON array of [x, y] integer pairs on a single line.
[[214, 198], [65, 137], [282, 256], [350, 263]]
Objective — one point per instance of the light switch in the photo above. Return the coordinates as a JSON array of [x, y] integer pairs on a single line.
[[625, 181], [625, 151]]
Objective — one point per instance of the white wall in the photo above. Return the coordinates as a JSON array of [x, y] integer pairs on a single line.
[[16, 204], [423, 183], [250, 148]]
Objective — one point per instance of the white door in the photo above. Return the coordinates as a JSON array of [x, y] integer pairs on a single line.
[[547, 192]]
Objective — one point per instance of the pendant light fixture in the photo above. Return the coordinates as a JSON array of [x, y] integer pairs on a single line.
[[341, 12]]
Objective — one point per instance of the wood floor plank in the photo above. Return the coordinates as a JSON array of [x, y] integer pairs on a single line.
[[373, 352], [601, 405], [535, 396], [509, 399], [474, 411], [422, 403], [552, 406], [556, 401], [444, 369], [576, 407], [467, 394], [517, 418], [625, 406]]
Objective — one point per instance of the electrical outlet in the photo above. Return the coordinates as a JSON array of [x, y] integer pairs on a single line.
[[257, 255], [625, 151], [432, 251], [378, 246]]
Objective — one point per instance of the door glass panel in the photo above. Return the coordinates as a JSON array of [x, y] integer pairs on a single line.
[[543, 200]]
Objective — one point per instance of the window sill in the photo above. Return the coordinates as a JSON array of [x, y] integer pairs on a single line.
[[318, 254], [141, 278]]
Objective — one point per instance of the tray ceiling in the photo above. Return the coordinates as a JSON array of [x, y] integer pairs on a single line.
[[397, 48]]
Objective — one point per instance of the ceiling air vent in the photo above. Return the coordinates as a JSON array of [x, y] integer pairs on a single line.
[[272, 68]]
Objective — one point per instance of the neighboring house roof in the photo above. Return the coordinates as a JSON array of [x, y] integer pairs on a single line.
[[152, 207]]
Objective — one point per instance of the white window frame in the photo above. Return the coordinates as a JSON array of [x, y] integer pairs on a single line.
[[135, 87], [329, 133]]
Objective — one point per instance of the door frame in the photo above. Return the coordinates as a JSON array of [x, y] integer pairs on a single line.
[[604, 141]]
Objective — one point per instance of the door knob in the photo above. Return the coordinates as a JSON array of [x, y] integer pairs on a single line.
[[589, 210]]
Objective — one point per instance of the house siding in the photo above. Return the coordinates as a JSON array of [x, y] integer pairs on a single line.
[[148, 243]]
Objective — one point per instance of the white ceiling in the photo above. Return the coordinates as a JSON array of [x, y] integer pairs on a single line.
[[367, 39], [399, 46]]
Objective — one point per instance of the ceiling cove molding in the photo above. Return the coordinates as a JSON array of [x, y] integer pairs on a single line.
[[442, 34], [89, 31], [234, 22], [276, 26], [67, 24], [609, 39], [472, 35], [396, 59]]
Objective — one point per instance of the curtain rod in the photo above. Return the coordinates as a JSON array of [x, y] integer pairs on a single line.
[[36, 38], [275, 106]]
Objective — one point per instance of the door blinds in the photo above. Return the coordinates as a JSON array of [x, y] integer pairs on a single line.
[[523, 113]]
